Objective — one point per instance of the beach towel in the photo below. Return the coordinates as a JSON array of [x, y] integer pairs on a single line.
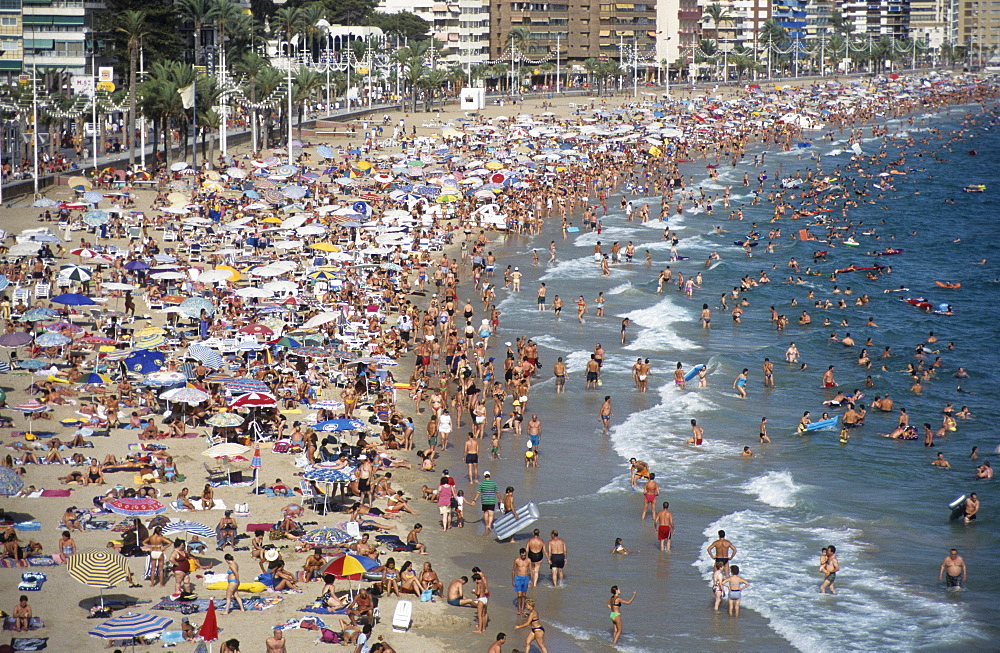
[[28, 526], [219, 505], [259, 527], [31, 581], [321, 610], [10, 563], [29, 643], [42, 561], [56, 493]]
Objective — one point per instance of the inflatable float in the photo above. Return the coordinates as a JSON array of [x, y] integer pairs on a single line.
[[957, 508], [944, 284], [821, 424], [693, 372], [506, 526], [888, 251], [975, 188]]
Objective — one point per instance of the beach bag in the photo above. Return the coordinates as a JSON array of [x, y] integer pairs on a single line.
[[192, 564], [329, 637], [276, 534], [426, 595]]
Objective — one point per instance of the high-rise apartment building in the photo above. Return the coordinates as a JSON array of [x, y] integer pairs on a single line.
[[979, 27], [878, 17], [58, 34], [463, 26]]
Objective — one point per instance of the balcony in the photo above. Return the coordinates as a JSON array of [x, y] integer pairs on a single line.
[[689, 15]]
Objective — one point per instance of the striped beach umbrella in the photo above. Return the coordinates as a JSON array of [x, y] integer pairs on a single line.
[[350, 566], [185, 526], [131, 625], [327, 536], [219, 377], [245, 385], [149, 341], [185, 395], [101, 568]]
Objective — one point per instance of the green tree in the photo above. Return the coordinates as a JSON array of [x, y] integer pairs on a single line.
[[287, 23], [403, 24], [198, 12], [412, 60], [133, 26], [251, 65], [307, 83], [350, 12]]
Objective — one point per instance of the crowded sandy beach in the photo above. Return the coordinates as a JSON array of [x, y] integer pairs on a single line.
[[293, 390]]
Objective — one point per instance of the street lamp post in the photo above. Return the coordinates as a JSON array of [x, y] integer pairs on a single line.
[[291, 157]]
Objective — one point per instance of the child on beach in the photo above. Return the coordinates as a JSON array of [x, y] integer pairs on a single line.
[[495, 446]]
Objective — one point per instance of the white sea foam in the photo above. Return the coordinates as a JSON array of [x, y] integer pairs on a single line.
[[873, 610], [547, 341], [619, 289], [776, 489], [656, 334], [608, 235]]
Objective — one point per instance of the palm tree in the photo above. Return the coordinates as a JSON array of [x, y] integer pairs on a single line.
[[269, 82], [708, 52], [133, 26], [226, 15], [311, 15], [517, 42], [718, 15], [162, 102], [479, 71], [412, 61], [287, 22], [250, 66], [307, 82], [198, 12], [431, 82]]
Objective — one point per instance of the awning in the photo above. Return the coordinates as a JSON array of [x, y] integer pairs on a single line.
[[605, 33]]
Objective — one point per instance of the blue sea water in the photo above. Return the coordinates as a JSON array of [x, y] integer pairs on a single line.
[[878, 500]]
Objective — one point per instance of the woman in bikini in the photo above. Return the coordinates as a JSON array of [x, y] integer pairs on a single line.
[[537, 633], [615, 606], [232, 583], [156, 544], [408, 581]]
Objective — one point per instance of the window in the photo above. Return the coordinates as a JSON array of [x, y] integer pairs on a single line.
[[9, 21]]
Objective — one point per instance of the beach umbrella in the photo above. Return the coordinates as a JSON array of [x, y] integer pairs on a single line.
[[75, 272], [320, 320], [98, 340], [327, 404], [163, 379], [10, 482], [209, 630], [144, 361], [184, 395], [137, 265], [95, 378], [226, 449], [30, 408], [148, 330], [130, 626], [225, 420], [15, 339], [219, 377], [193, 306], [257, 330], [93, 197], [51, 339], [169, 275], [64, 326], [149, 341], [45, 202], [206, 355], [213, 276], [311, 352], [38, 314], [327, 536], [101, 568], [255, 400], [341, 424], [185, 526], [241, 386], [4, 282], [253, 292], [32, 364], [73, 299], [135, 507], [350, 566], [27, 248], [290, 343]]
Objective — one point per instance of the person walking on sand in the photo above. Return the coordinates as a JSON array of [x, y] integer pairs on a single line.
[[520, 579], [735, 585], [537, 632], [606, 413], [232, 584], [830, 568], [663, 522], [472, 457], [615, 606]]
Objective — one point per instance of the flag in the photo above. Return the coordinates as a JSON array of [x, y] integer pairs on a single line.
[[187, 95]]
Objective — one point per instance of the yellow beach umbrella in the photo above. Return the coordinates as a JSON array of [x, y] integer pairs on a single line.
[[325, 247], [234, 273]]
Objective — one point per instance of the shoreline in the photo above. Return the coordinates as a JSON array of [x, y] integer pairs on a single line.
[[443, 621]]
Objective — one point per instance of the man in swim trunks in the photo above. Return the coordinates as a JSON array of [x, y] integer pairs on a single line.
[[971, 508], [663, 522], [593, 373], [536, 552], [639, 470], [555, 549], [560, 372], [954, 567], [520, 579], [722, 550], [650, 491], [455, 597], [472, 457], [830, 568], [534, 431], [606, 413], [828, 380]]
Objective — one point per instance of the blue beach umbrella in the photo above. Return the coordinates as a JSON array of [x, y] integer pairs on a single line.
[[130, 625], [145, 361], [74, 299], [339, 425]]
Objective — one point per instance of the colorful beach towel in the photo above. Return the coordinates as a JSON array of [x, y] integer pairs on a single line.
[[34, 624], [56, 493]]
